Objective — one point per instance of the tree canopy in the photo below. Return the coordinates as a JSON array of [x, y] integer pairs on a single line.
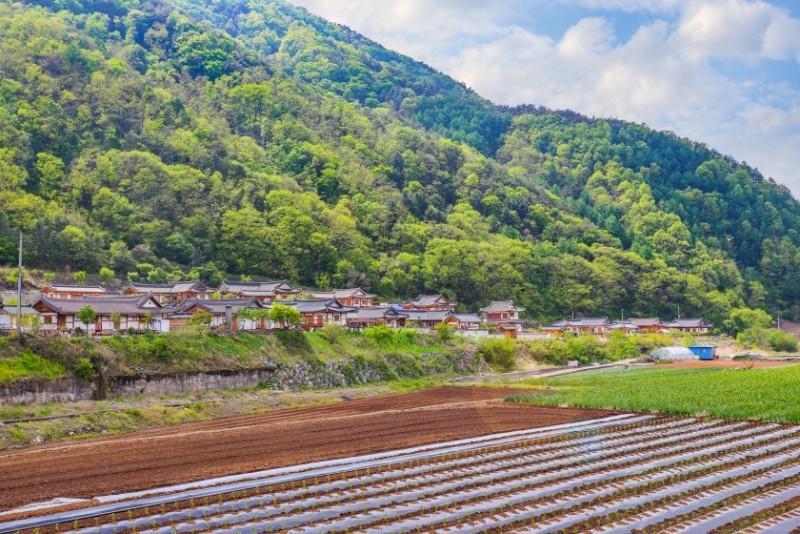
[[165, 139]]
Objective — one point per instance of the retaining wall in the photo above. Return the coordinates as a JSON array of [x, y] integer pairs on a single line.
[[273, 375]]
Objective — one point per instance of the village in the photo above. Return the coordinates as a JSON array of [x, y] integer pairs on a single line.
[[94, 310]]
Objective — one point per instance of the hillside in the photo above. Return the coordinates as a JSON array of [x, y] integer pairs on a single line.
[[176, 138]]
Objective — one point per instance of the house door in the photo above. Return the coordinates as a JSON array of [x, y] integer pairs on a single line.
[[62, 322], [98, 325]]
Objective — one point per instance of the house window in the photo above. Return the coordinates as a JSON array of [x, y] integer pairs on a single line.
[[48, 319]]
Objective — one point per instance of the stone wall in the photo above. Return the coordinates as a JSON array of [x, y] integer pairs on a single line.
[[274, 375]]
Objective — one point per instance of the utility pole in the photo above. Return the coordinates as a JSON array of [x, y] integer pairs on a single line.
[[679, 311], [19, 290]]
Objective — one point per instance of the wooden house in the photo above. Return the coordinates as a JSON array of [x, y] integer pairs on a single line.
[[430, 303], [387, 315], [321, 312], [222, 311], [585, 325], [8, 317], [426, 320], [356, 297], [261, 291], [626, 327], [139, 313], [464, 321], [502, 314], [169, 294], [648, 325], [689, 326], [71, 291]]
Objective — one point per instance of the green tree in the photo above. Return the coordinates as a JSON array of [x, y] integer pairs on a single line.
[[106, 275], [741, 319], [80, 277], [284, 315], [49, 171], [86, 315]]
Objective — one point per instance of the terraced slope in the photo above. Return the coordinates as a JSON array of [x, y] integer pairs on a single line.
[[612, 474]]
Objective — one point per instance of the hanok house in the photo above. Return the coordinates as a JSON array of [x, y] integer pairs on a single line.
[[426, 320], [386, 315], [586, 325], [261, 291], [430, 303], [223, 312], [169, 294], [648, 325], [626, 327], [502, 314], [355, 297], [69, 291], [464, 321], [8, 317], [689, 326], [318, 313], [138, 313]]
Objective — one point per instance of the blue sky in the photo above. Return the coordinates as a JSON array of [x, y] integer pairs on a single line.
[[723, 72]]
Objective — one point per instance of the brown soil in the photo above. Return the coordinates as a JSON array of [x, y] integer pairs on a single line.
[[723, 364], [166, 456]]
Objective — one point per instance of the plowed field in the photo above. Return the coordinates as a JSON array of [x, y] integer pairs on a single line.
[[195, 451]]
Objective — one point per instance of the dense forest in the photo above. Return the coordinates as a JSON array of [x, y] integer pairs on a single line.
[[166, 139]]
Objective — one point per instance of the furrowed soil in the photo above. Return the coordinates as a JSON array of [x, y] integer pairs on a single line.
[[165, 456]]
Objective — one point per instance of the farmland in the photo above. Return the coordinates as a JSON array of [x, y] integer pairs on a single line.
[[736, 393], [613, 473]]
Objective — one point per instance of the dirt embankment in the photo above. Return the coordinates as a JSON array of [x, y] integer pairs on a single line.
[[195, 451]]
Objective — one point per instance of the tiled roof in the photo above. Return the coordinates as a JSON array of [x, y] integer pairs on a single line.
[[467, 318], [218, 306], [363, 314], [352, 292], [430, 300], [689, 322], [75, 288], [102, 305], [414, 315], [320, 305], [263, 287], [497, 306], [645, 321], [177, 287]]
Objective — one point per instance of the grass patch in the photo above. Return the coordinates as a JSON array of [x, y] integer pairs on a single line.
[[29, 365], [766, 394]]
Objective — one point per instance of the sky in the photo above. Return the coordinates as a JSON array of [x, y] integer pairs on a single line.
[[722, 72]]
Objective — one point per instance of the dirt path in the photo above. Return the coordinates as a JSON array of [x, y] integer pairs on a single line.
[[201, 450]]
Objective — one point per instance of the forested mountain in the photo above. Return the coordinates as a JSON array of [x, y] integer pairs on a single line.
[[174, 138]]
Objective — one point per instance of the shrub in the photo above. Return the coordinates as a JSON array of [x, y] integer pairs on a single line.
[[499, 353], [585, 349], [85, 369], [406, 336], [444, 332], [200, 320], [753, 338], [381, 335], [781, 341], [621, 347], [333, 333]]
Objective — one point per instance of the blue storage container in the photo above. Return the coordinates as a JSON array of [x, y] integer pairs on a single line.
[[704, 352]]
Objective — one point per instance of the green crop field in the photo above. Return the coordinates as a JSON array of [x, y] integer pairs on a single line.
[[771, 394]]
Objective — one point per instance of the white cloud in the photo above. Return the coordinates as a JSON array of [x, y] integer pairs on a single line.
[[663, 75]]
